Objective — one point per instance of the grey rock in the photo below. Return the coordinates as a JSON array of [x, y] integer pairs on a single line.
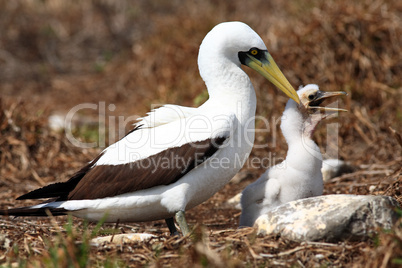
[[330, 218]]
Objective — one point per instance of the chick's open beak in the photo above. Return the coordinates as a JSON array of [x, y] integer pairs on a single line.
[[266, 66], [321, 96]]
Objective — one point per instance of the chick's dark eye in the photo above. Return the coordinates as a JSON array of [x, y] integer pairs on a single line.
[[311, 97]]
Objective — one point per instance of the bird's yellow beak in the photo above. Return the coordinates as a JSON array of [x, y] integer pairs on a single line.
[[266, 66], [321, 96]]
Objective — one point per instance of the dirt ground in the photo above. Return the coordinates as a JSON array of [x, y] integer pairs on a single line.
[[125, 57]]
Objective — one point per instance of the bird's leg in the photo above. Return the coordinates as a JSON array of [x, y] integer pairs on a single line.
[[115, 230], [181, 221], [171, 226]]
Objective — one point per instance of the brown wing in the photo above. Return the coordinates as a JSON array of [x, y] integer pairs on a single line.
[[163, 168]]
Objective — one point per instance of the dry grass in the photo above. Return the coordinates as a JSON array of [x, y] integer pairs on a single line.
[[57, 54]]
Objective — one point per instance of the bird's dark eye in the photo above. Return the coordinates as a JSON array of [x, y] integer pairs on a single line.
[[254, 51], [311, 97]]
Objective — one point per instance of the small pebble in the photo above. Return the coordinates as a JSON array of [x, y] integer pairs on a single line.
[[320, 256]]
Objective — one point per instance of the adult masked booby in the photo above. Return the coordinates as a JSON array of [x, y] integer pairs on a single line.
[[176, 157], [299, 175]]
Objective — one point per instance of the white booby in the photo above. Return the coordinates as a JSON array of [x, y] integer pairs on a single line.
[[176, 157], [299, 175]]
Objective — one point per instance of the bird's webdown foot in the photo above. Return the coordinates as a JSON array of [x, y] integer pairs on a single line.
[[181, 221]]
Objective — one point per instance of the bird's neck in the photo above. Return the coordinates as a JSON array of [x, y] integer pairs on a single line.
[[303, 152], [228, 85], [231, 92]]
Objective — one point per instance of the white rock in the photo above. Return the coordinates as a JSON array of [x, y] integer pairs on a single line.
[[5, 243], [120, 239], [372, 188], [330, 217], [241, 176], [235, 201], [320, 256], [60, 121], [56, 122]]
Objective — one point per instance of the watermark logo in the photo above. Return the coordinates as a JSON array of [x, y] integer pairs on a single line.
[[158, 132]]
